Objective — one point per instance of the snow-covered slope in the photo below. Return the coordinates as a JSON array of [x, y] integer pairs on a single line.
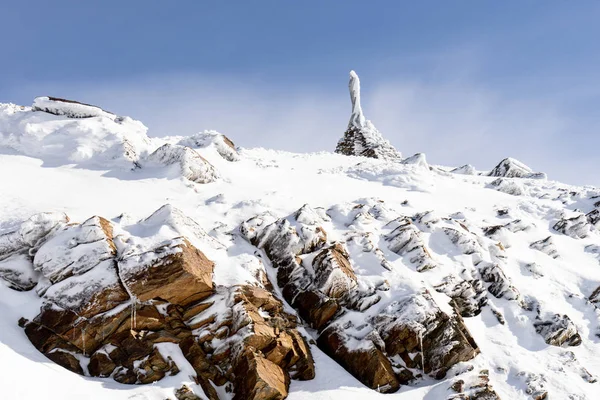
[[396, 246]]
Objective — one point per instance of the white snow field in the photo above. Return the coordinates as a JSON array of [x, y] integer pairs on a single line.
[[101, 164]]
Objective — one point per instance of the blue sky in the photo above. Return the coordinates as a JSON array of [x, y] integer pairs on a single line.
[[462, 81]]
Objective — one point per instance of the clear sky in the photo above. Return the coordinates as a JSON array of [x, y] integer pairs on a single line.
[[464, 81]]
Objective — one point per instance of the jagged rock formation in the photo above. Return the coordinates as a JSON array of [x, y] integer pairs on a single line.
[[392, 338], [221, 143], [576, 227], [558, 330], [406, 239], [511, 168], [476, 388], [229, 299], [362, 138], [190, 164], [115, 307], [466, 169]]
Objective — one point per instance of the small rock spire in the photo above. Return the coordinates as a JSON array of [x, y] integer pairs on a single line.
[[357, 119]]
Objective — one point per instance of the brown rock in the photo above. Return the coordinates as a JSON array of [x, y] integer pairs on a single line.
[[66, 360], [304, 368], [315, 308], [259, 379], [101, 365], [370, 366], [185, 393], [181, 277], [334, 274]]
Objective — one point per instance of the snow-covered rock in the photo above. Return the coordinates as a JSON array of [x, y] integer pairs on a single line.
[[299, 275], [187, 161], [576, 227], [418, 159], [546, 246], [466, 169], [221, 143], [101, 140], [68, 108], [361, 137], [406, 240], [511, 168], [558, 330]]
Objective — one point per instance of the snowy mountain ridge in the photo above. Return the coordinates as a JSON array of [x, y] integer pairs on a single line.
[[218, 272]]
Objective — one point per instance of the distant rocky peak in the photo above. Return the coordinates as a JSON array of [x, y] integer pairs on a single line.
[[511, 168], [362, 138]]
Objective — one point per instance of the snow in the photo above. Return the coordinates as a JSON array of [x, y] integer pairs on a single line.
[[97, 142], [59, 165], [68, 108]]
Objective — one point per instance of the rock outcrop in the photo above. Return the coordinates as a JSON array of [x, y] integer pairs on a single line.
[[118, 306], [362, 138], [18, 244], [576, 227], [546, 246], [511, 168], [69, 108], [466, 169], [221, 143], [188, 162], [406, 240], [65, 132], [393, 337], [558, 330]]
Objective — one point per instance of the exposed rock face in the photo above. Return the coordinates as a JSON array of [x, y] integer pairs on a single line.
[[283, 243], [500, 285], [558, 331], [192, 165], [367, 363], [392, 337], [594, 218], [253, 341], [221, 143], [361, 137], [406, 240], [511, 168], [175, 271], [469, 295], [333, 271], [416, 324], [126, 308], [261, 379]]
